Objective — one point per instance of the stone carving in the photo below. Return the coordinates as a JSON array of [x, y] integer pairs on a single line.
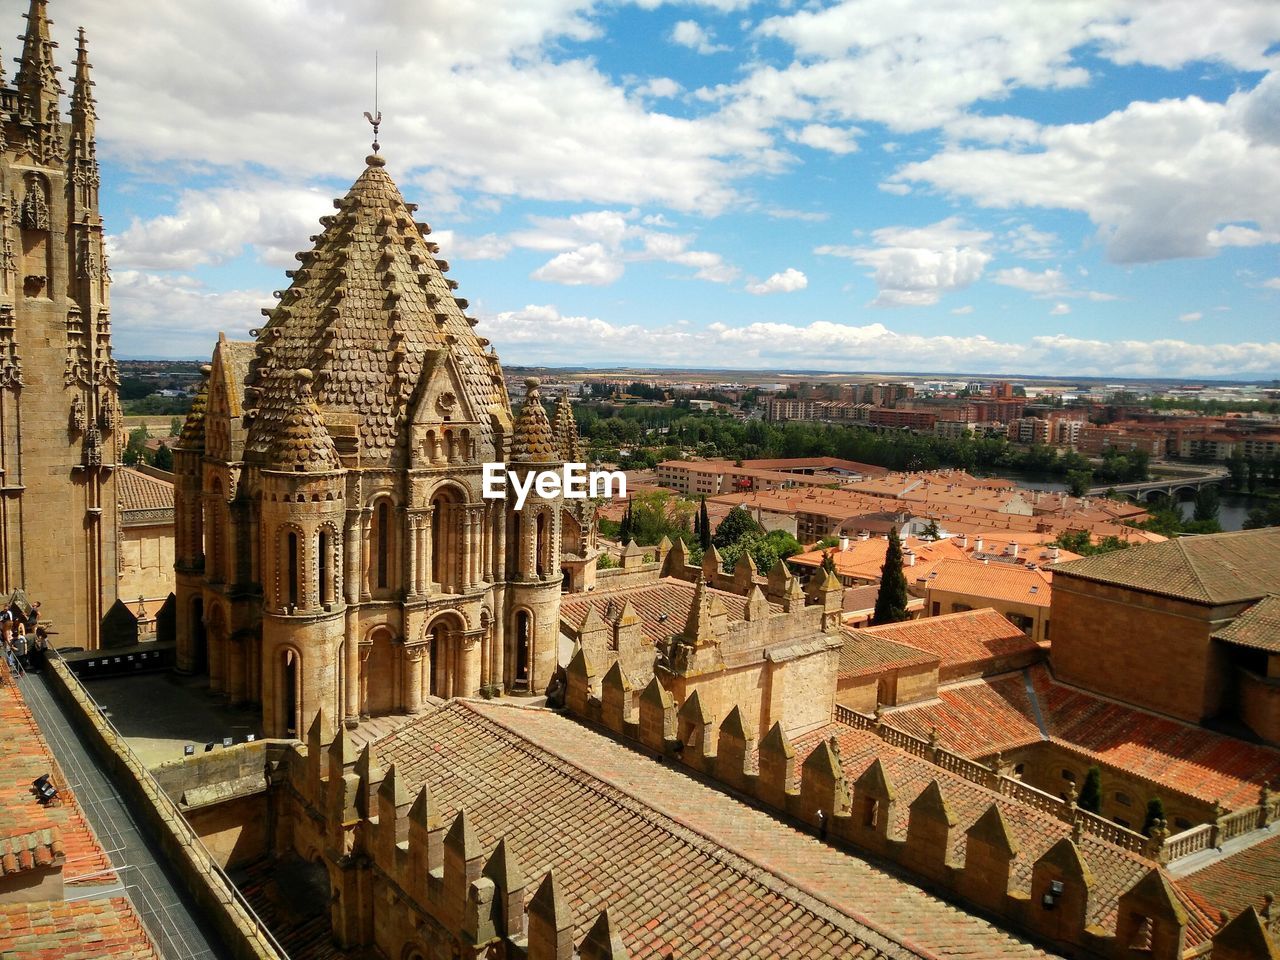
[[35, 209]]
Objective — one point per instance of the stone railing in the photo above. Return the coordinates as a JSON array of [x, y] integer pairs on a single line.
[[1107, 830], [1187, 842], [1204, 837], [1030, 796]]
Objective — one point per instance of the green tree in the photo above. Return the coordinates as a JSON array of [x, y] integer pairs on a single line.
[[1079, 482], [704, 527], [175, 426], [163, 460], [1091, 793], [891, 600], [1207, 504], [1268, 516], [1155, 813], [931, 532], [136, 447], [765, 549], [736, 525], [624, 529], [828, 561]]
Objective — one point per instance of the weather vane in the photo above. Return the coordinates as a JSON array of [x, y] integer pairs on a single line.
[[375, 118]]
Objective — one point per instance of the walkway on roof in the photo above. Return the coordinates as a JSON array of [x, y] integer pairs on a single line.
[[158, 897]]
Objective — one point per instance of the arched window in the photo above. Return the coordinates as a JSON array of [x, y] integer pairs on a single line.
[[291, 568], [382, 534], [448, 549], [324, 566], [524, 648], [540, 544]]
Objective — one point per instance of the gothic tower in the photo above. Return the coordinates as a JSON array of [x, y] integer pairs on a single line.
[[334, 548], [59, 410]]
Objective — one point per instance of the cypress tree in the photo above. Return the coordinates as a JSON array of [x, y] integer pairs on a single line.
[[704, 527], [1091, 793], [624, 528], [891, 601], [828, 561], [1155, 814]]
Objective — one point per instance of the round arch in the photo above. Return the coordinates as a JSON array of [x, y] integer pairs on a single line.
[[445, 650]]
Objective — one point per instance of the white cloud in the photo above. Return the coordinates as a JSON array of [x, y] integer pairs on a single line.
[[661, 87], [177, 315], [1178, 178], [1272, 284], [835, 140], [916, 266], [1029, 243], [691, 34], [788, 281], [590, 265], [1046, 284], [1059, 310], [963, 311], [1191, 317], [214, 226], [598, 244], [489, 246], [541, 334]]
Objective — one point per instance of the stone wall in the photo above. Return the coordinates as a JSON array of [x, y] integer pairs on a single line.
[[1106, 637], [813, 790], [218, 900]]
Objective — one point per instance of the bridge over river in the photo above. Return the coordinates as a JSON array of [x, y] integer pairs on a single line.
[[1173, 487]]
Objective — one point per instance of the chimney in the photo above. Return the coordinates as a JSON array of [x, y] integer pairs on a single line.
[[1053, 553], [909, 557], [963, 540], [844, 544], [1012, 550], [977, 545], [864, 534]]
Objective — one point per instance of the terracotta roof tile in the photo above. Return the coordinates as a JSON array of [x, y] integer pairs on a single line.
[[1257, 627], [977, 719], [139, 491], [25, 756], [963, 642], [863, 654], [77, 930], [690, 868], [1240, 880], [994, 581], [1215, 569], [662, 606]]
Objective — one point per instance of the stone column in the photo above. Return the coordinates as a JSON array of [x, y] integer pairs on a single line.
[[428, 572], [351, 554], [412, 551], [500, 542], [366, 521], [413, 680], [351, 671]]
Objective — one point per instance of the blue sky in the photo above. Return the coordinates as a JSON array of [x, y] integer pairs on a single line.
[[1079, 187]]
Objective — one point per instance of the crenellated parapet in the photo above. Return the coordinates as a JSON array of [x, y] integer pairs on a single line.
[[406, 877], [951, 831]]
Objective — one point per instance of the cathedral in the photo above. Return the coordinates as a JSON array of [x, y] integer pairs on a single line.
[[59, 409], [333, 548]]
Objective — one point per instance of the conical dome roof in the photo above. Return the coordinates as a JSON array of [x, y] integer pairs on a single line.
[[566, 431], [367, 305], [532, 440], [192, 435], [302, 442]]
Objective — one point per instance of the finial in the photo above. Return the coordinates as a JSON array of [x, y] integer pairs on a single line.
[[531, 386], [375, 118]]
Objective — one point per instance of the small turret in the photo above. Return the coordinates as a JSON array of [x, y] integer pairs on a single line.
[[302, 442], [566, 432], [532, 440], [37, 77], [83, 105]]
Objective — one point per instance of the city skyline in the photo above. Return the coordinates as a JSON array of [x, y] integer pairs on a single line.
[[1088, 190]]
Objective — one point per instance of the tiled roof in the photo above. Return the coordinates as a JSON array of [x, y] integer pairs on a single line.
[[1114, 870], [959, 640], [300, 923], [24, 756], [993, 581], [138, 491], [684, 868], [978, 719], [367, 307], [859, 598], [865, 558], [1240, 880], [1257, 627], [302, 442], [79, 930], [192, 435], [662, 606], [531, 438], [26, 851], [863, 654], [1214, 568]]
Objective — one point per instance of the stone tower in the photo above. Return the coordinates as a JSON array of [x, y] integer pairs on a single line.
[[59, 409], [333, 548]]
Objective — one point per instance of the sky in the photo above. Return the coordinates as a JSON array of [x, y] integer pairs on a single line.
[[1087, 187]]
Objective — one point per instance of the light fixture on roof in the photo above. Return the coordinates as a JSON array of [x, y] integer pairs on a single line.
[[44, 790]]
